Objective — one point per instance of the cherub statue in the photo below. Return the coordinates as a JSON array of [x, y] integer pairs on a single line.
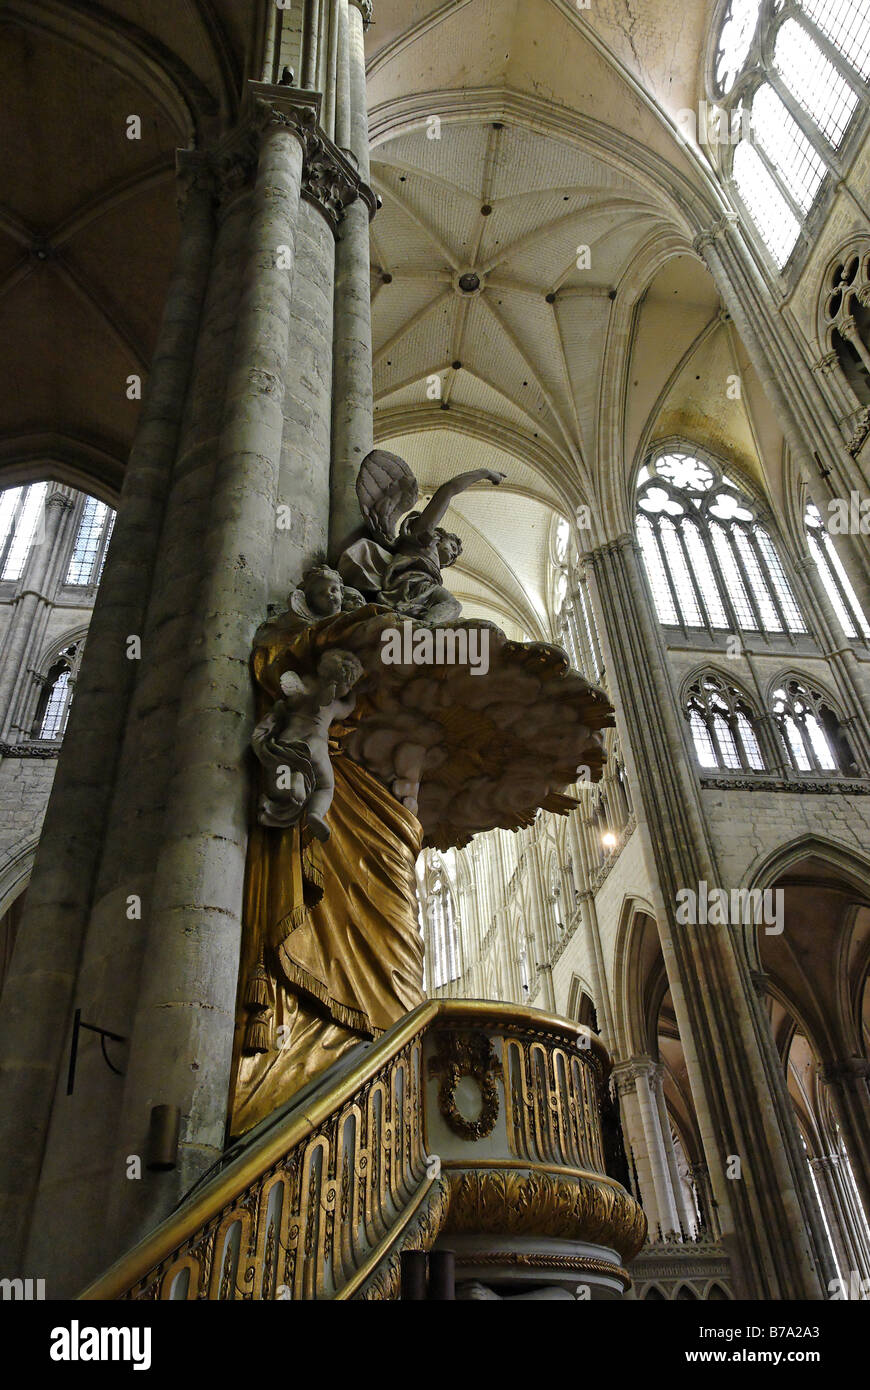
[[292, 742], [403, 570], [322, 594]]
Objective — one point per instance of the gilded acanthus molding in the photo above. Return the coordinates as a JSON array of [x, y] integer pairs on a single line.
[[546, 1204]]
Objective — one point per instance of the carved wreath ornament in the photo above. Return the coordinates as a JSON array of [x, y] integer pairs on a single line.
[[466, 1054]]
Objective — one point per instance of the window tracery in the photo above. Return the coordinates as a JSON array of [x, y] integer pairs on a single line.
[[810, 730], [56, 694], [789, 78], [576, 628], [844, 600], [722, 726], [21, 512], [710, 561], [844, 320]]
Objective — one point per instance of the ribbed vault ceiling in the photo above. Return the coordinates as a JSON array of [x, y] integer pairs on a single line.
[[557, 121], [562, 226]]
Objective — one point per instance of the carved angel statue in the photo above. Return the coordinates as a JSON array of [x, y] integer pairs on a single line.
[[292, 742], [403, 569], [322, 594]]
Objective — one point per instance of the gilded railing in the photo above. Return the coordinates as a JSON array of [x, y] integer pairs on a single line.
[[414, 1140]]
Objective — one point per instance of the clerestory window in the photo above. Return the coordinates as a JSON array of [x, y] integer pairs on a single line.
[[844, 600], [710, 562], [22, 519], [789, 78], [92, 541], [576, 628]]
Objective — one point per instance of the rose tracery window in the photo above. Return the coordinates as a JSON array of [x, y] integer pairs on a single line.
[[721, 722], [710, 562], [790, 78]]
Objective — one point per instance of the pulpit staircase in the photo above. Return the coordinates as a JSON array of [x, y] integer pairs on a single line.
[[473, 1124]]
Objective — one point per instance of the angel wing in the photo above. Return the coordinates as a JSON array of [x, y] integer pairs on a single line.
[[386, 489]]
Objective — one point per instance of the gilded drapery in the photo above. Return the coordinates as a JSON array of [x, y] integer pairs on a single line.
[[331, 951]]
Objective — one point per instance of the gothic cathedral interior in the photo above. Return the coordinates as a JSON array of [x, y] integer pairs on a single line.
[[435, 651]]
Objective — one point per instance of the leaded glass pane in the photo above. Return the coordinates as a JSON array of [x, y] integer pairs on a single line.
[[777, 576], [57, 708], [733, 579], [702, 740], [750, 742], [707, 581], [656, 574], [814, 81], [769, 210], [786, 146], [680, 573], [847, 24]]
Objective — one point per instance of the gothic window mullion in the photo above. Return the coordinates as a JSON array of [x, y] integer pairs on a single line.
[[14, 523], [721, 750], [690, 570], [727, 541], [713, 558], [799, 114]]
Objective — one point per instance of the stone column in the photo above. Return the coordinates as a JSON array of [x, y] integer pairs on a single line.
[[644, 1071], [181, 1044], [38, 999], [700, 1176], [352, 404], [847, 1082], [684, 1219], [72, 1185], [30, 597], [850, 1255], [637, 1145]]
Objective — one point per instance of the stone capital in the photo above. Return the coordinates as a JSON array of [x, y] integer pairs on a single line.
[[845, 1074], [365, 8], [826, 364], [59, 499], [710, 235]]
